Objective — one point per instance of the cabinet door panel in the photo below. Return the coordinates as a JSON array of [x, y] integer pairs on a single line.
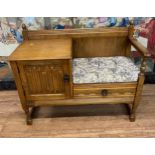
[[44, 79], [58, 82]]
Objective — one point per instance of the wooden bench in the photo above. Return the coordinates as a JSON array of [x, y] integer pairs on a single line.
[[43, 67]]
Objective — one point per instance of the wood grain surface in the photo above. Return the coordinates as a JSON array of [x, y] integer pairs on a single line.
[[78, 121], [43, 50]]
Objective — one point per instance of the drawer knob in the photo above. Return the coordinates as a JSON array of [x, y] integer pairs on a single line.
[[104, 92]]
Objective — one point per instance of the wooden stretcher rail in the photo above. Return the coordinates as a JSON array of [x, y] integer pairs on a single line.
[[85, 101]]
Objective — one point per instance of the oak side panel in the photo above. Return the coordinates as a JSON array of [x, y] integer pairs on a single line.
[[19, 85]]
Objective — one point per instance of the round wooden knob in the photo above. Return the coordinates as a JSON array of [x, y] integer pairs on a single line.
[[104, 92]]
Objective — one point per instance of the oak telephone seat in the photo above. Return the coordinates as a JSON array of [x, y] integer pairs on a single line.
[[78, 67]]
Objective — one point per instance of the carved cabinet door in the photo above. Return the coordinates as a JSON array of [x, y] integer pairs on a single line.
[[43, 80]]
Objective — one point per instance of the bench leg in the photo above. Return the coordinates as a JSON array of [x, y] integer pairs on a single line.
[[137, 98], [132, 117], [29, 116], [134, 107], [139, 89]]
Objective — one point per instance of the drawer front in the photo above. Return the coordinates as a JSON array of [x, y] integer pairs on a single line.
[[44, 80], [104, 90]]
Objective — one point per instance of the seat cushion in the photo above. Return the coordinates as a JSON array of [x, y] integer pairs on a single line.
[[104, 70]]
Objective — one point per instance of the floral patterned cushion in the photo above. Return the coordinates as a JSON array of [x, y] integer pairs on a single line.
[[104, 70]]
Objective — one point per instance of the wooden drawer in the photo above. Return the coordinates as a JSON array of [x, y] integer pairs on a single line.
[[114, 90]]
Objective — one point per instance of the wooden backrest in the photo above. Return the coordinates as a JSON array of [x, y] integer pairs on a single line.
[[100, 47], [98, 42]]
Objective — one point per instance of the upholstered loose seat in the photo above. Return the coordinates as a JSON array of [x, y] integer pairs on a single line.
[[104, 70]]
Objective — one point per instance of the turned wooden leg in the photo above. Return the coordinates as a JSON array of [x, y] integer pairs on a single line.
[[28, 119], [139, 89], [132, 117], [29, 116], [134, 107]]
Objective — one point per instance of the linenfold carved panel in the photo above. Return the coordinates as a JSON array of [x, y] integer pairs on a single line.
[[44, 79]]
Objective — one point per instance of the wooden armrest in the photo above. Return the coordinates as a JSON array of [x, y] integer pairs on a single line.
[[139, 47]]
